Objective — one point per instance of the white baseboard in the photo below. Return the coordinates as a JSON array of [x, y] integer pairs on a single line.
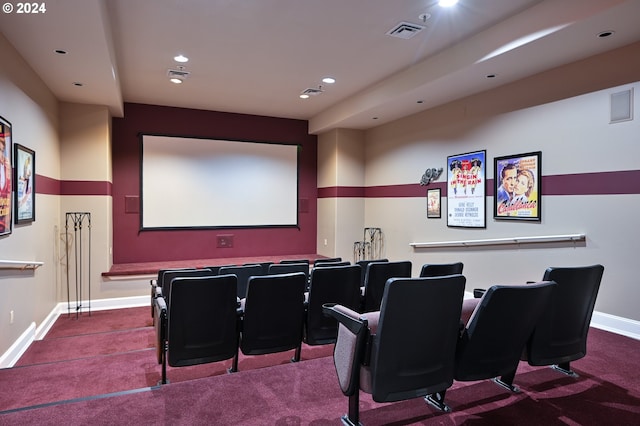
[[614, 324], [13, 354]]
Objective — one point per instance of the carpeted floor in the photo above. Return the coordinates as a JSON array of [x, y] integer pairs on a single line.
[[107, 352], [271, 391]]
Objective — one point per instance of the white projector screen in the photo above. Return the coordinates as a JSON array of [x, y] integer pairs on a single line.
[[206, 183]]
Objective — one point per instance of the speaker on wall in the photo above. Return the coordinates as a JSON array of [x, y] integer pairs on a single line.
[[622, 106]]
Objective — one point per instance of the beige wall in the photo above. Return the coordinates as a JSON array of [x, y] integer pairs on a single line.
[[86, 156], [340, 220], [72, 143], [561, 113], [565, 114], [33, 112]]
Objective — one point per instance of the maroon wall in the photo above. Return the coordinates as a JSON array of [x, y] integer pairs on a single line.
[[131, 245]]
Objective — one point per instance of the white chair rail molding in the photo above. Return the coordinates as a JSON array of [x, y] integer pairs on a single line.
[[501, 241]]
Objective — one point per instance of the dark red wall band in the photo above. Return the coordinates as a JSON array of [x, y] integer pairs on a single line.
[[49, 186], [600, 183]]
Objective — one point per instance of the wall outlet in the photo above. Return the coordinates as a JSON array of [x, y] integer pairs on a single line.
[[224, 241]]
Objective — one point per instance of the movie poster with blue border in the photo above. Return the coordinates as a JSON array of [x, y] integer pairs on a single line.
[[466, 190]]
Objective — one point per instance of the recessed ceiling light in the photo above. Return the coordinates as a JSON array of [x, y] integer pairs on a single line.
[[303, 96], [329, 80], [606, 34], [60, 52], [181, 58], [447, 3], [176, 80]]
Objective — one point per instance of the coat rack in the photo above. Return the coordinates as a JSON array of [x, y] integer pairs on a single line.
[[81, 259]]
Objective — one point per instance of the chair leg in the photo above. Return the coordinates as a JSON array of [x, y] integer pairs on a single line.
[[234, 364], [565, 368], [164, 380], [506, 381], [437, 400], [353, 418], [296, 355]]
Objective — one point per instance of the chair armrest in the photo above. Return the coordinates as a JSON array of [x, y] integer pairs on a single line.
[[161, 305], [353, 334], [479, 292], [160, 322], [345, 316]]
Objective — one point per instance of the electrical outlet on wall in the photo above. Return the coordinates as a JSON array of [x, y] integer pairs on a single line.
[[224, 241]]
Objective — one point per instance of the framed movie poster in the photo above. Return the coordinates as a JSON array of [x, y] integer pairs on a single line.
[[25, 200], [6, 176], [466, 190], [433, 203], [517, 187]]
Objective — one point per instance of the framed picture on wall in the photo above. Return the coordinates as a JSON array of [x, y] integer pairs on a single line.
[[518, 187], [6, 177], [25, 201], [466, 189], [433, 203]]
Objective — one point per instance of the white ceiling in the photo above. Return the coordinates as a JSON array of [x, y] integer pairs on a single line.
[[257, 56]]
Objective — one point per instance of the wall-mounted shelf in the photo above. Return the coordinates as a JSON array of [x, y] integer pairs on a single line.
[[20, 264], [502, 241]]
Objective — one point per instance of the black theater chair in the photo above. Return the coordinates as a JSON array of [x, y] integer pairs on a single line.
[[264, 265], [289, 268], [273, 313], [491, 343], [441, 269], [200, 325], [363, 264], [391, 354], [329, 284], [169, 276], [295, 261], [561, 335], [377, 275], [156, 286], [327, 260], [323, 264], [243, 272]]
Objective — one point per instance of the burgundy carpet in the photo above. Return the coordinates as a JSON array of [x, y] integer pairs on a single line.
[[107, 352], [87, 345], [307, 393], [100, 321]]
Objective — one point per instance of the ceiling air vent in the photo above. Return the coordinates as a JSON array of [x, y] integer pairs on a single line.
[[312, 92], [405, 30], [181, 74]]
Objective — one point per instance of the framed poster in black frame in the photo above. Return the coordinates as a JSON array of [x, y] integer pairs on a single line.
[[6, 177], [518, 191], [25, 201]]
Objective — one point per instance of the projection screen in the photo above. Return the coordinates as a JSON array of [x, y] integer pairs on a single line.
[[206, 183]]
